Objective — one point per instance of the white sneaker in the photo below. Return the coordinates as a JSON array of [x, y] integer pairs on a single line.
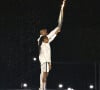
[[44, 88], [41, 89]]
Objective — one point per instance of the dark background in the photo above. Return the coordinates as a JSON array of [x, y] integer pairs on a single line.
[[77, 47]]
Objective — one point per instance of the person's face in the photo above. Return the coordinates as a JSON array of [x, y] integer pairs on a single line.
[[43, 32], [46, 40]]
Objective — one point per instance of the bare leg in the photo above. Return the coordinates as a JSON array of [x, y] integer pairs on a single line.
[[44, 79]]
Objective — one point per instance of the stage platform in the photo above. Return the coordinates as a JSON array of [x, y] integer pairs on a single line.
[[32, 89]]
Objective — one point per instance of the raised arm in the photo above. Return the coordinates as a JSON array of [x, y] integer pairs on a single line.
[[60, 19], [53, 32], [53, 37]]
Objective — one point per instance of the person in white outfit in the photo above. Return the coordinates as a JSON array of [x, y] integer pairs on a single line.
[[45, 50], [45, 54]]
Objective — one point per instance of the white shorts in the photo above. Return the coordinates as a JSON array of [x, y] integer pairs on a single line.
[[45, 67]]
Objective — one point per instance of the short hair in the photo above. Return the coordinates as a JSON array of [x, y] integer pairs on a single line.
[[43, 30]]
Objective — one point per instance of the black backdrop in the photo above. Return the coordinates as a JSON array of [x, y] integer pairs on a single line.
[[20, 22]]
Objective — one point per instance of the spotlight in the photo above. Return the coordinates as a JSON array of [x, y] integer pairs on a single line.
[[34, 59], [70, 89], [91, 86], [60, 85], [25, 85]]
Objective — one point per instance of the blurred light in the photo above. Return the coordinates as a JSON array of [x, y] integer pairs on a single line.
[[70, 89], [91, 86], [34, 58], [60, 85], [25, 85]]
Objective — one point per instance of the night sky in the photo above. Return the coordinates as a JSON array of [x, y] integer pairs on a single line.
[[74, 50]]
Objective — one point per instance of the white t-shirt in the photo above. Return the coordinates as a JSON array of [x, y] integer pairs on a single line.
[[45, 53]]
